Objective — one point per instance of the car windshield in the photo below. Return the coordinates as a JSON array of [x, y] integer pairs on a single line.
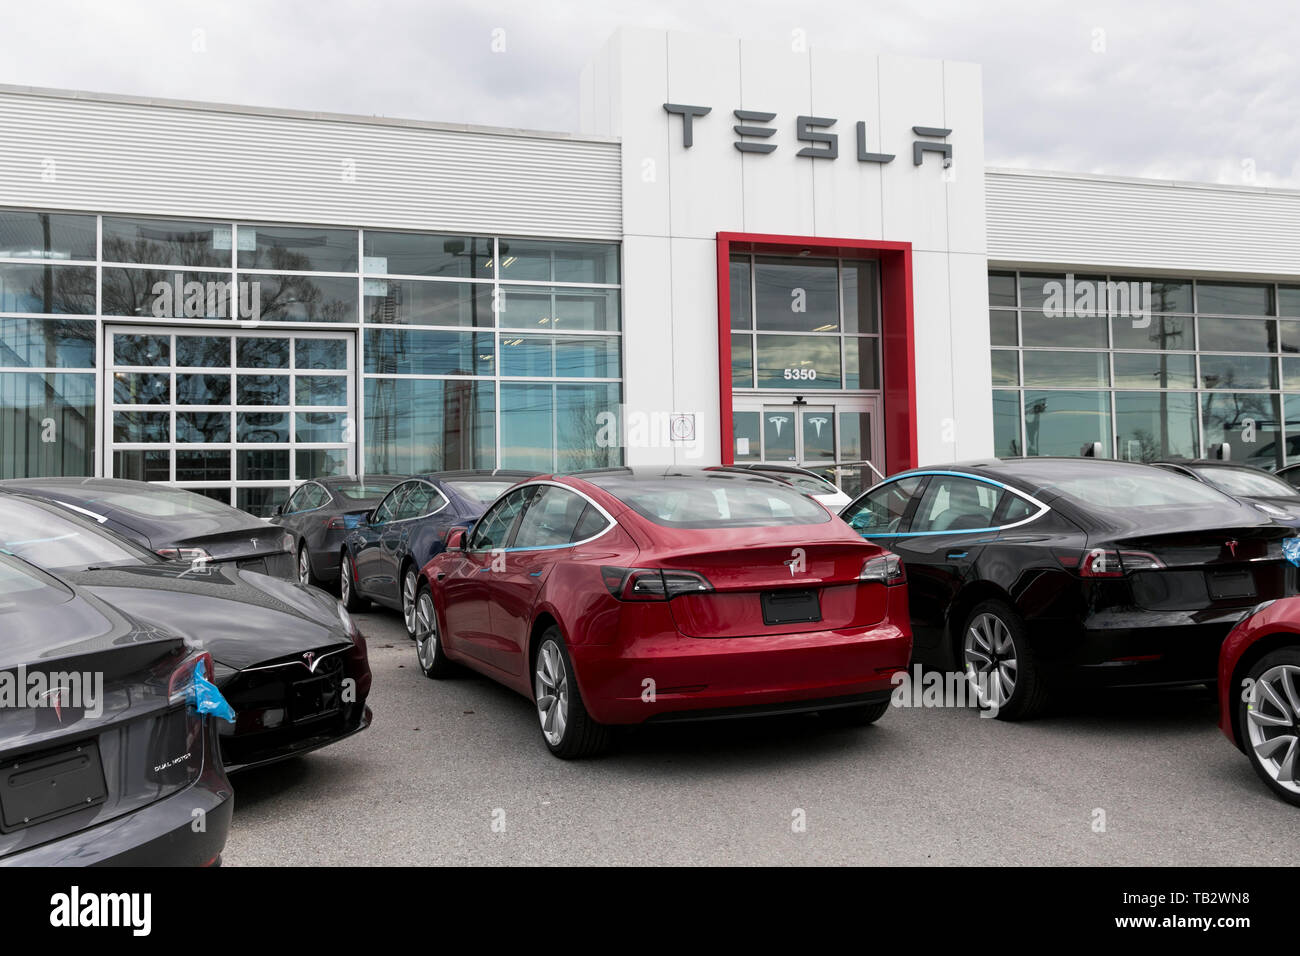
[[700, 503], [484, 492], [1247, 482], [358, 491], [58, 542], [1127, 489], [159, 501]]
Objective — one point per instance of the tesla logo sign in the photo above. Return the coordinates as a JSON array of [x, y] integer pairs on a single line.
[[752, 132], [54, 698], [778, 421], [1232, 547], [817, 424], [308, 658]]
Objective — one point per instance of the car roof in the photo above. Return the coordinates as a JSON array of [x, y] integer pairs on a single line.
[[1207, 463], [604, 477], [505, 474], [335, 480]]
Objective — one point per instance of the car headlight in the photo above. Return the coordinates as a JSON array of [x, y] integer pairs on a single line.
[[349, 625]]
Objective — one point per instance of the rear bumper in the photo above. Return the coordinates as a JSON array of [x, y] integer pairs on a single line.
[[161, 834], [664, 675], [1139, 647]]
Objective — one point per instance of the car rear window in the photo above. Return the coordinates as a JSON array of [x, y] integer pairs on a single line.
[[57, 543], [702, 503], [484, 492], [1247, 482], [1145, 488], [160, 502], [361, 492], [22, 587]]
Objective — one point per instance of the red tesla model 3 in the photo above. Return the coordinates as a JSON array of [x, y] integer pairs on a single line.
[[1259, 693], [627, 595]]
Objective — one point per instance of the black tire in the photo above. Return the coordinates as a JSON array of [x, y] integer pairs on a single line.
[[304, 565], [1029, 689], [347, 586], [1267, 767], [857, 716], [433, 661], [580, 736]]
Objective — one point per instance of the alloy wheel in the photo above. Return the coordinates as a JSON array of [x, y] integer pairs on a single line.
[[551, 688], [304, 566], [425, 624], [409, 583], [345, 579], [1273, 724], [990, 659]]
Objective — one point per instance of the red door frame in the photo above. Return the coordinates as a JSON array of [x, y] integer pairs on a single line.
[[897, 346]]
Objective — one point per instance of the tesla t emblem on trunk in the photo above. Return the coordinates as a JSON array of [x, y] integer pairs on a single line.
[[1232, 547], [55, 696], [308, 658]]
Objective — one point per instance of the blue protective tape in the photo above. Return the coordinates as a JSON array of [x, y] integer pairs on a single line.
[[207, 699], [1291, 550]]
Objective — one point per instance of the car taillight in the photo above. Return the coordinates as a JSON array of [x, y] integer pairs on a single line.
[[652, 584], [1106, 563], [886, 569], [178, 687], [184, 554]]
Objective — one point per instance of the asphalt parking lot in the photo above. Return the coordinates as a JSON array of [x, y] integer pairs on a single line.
[[455, 772]]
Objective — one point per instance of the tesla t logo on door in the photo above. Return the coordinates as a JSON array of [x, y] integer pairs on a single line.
[[778, 421], [817, 423]]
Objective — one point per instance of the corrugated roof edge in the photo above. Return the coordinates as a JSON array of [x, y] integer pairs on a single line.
[[1138, 180], [276, 113]]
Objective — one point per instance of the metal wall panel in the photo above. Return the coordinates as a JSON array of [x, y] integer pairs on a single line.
[[1133, 224], [130, 155]]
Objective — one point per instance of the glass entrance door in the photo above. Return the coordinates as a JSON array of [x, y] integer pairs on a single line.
[[839, 439], [241, 417]]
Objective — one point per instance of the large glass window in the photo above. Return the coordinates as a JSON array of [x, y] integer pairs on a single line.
[[802, 322], [1149, 367], [417, 335]]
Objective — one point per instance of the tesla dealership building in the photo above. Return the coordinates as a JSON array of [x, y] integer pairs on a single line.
[[750, 252]]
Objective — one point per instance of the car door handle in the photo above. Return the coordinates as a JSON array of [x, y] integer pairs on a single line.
[[441, 575], [952, 555], [534, 574]]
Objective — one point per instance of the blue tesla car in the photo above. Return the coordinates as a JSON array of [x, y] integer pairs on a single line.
[[381, 558]]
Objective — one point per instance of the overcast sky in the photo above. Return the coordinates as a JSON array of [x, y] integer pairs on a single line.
[[1186, 90]]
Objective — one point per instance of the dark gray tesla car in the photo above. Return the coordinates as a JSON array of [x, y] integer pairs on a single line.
[[103, 757], [321, 513], [287, 658], [171, 521]]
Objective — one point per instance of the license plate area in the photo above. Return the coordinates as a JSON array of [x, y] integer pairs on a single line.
[[41, 787], [1229, 585], [791, 607], [314, 697]]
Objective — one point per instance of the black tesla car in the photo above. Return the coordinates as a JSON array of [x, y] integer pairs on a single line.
[[287, 658], [1268, 492], [381, 559], [1027, 572], [320, 514], [103, 758], [174, 522]]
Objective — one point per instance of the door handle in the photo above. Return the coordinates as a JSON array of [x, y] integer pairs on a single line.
[[441, 575], [953, 555]]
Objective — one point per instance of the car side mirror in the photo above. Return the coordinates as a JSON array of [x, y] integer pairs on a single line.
[[277, 510], [456, 539]]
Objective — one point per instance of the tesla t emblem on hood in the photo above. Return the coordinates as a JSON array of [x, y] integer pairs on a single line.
[[309, 657], [1232, 547]]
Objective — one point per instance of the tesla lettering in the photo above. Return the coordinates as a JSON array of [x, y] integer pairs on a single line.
[[753, 134]]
